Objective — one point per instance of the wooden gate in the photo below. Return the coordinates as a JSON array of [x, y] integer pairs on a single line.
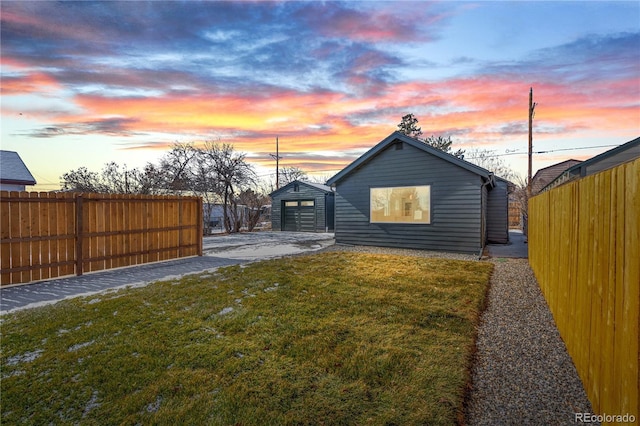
[[47, 235]]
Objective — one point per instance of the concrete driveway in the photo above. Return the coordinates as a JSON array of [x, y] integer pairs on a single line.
[[516, 248], [219, 250], [264, 245]]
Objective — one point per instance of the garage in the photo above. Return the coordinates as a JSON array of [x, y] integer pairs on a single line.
[[302, 207]]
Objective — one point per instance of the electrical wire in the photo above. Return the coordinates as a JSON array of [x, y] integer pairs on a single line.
[[541, 152]]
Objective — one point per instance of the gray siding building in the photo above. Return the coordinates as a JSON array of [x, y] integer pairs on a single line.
[[14, 174], [404, 193], [621, 154], [498, 212], [303, 207]]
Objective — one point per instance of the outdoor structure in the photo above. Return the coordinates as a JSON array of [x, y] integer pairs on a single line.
[[53, 234], [14, 174], [404, 193], [302, 206], [612, 158], [515, 211], [498, 211], [548, 174], [584, 250]]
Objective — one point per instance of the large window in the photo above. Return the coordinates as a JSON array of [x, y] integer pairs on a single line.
[[401, 204]]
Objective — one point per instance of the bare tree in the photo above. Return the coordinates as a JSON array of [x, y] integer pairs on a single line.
[[489, 160], [233, 174], [200, 178], [321, 179], [289, 174], [113, 179], [254, 202], [214, 172], [81, 180], [175, 166]]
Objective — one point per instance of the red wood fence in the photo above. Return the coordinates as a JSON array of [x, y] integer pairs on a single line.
[[47, 235]]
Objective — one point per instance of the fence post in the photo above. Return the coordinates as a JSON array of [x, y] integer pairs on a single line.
[[200, 230], [79, 266]]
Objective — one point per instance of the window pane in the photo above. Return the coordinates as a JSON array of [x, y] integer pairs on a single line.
[[308, 203], [291, 204], [401, 204]]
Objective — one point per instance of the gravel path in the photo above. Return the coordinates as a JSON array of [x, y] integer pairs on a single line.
[[522, 372]]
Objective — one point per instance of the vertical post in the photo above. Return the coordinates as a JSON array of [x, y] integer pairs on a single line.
[[532, 107], [200, 230], [277, 158], [79, 236], [530, 141]]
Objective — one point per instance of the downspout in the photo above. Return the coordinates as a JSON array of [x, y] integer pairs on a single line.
[[483, 215], [326, 212]]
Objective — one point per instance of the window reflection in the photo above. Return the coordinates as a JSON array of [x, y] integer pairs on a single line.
[[401, 204]]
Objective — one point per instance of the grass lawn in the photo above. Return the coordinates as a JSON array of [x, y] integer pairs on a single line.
[[331, 338]]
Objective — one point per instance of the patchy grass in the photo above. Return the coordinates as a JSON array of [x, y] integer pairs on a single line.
[[332, 338]]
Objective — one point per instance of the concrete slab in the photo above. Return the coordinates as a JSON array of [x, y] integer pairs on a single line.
[[515, 248]]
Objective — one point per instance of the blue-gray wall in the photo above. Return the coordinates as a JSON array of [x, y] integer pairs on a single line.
[[498, 213], [323, 205], [456, 203]]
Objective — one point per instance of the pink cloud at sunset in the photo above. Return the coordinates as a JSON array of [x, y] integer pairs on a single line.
[[329, 80]]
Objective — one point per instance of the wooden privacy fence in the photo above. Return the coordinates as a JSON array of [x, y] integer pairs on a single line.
[[47, 235], [584, 247]]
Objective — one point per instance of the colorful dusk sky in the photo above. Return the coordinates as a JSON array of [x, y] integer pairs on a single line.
[[86, 83]]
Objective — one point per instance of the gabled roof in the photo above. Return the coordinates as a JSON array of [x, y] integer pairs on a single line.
[[545, 175], [318, 186], [397, 136], [611, 158], [606, 158], [13, 169]]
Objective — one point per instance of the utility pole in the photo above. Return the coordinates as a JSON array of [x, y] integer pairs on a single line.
[[532, 107], [277, 158]]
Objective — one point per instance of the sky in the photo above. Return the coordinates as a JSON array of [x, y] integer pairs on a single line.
[[86, 83]]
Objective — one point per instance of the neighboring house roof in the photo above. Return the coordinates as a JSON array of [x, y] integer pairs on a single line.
[[318, 186], [397, 136], [546, 175], [13, 170], [511, 187], [608, 159]]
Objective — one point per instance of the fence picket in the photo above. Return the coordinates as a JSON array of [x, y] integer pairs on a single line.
[[5, 245]]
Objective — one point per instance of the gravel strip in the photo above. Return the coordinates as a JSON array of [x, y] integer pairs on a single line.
[[402, 252], [522, 372]]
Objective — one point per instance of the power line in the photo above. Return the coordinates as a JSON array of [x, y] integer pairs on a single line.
[[541, 152]]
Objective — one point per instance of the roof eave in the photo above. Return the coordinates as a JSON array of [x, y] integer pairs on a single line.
[[327, 190], [415, 143], [18, 182]]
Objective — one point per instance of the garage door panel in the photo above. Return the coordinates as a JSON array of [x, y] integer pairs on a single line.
[[290, 219], [299, 216], [307, 219]]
